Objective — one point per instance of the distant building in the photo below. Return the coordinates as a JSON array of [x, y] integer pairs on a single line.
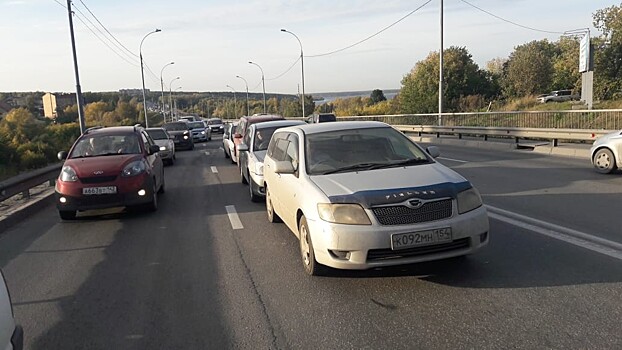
[[53, 102]]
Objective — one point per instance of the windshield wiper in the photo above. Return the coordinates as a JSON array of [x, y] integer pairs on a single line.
[[361, 166], [411, 161]]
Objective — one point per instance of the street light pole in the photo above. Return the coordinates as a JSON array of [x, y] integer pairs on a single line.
[[176, 102], [302, 64], [263, 82], [142, 74], [170, 96], [248, 108], [440, 74], [162, 85], [79, 100], [235, 103]]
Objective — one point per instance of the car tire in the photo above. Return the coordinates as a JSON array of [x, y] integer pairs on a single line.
[[604, 161], [67, 214], [255, 198], [243, 179], [307, 254], [224, 150], [273, 217], [153, 205], [162, 186]]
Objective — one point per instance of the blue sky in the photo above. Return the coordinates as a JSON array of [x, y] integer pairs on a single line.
[[211, 41]]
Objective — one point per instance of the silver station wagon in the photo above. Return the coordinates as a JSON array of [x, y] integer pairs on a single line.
[[360, 195]]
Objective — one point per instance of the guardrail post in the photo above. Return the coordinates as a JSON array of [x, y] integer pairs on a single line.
[[555, 141], [52, 182], [485, 137], [438, 135], [26, 194], [459, 136]]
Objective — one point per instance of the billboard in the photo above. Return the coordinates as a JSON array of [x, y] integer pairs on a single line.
[[584, 54]]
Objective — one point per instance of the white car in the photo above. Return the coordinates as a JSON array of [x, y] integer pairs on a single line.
[[252, 151], [228, 145], [606, 152], [11, 335], [360, 195], [166, 143]]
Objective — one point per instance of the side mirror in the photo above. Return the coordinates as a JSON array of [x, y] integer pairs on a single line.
[[153, 149], [283, 167], [62, 155], [237, 136], [242, 147], [433, 151]]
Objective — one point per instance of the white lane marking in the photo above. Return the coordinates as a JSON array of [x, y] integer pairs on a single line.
[[453, 160], [574, 237], [236, 224], [206, 153], [214, 170]]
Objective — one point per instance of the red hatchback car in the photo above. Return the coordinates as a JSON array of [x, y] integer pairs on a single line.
[[110, 167]]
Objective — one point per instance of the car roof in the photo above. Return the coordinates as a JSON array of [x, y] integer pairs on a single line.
[[155, 129], [110, 130], [336, 126], [277, 123], [263, 117]]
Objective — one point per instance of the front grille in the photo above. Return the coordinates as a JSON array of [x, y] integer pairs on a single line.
[[403, 215], [387, 254], [97, 179]]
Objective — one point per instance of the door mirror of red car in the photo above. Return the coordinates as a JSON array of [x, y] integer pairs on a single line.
[[62, 155], [153, 149]]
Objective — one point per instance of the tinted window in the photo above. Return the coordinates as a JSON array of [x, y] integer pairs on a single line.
[[103, 145], [214, 122], [176, 126], [196, 125], [157, 134]]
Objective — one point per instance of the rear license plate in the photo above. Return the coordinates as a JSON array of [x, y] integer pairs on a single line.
[[420, 238], [99, 190]]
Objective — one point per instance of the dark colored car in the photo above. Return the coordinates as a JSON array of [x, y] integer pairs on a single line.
[[110, 167], [321, 118], [200, 131], [182, 136], [216, 125], [243, 125]]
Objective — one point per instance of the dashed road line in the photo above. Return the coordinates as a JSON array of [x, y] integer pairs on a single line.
[[206, 153], [453, 160], [236, 224], [574, 237], [214, 170]]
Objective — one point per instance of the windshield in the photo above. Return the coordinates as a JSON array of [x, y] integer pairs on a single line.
[[360, 149], [214, 122], [157, 134], [104, 145], [196, 125], [176, 126]]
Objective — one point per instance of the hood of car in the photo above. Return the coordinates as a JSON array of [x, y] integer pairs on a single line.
[[605, 138], [101, 166], [161, 142], [178, 132], [392, 185]]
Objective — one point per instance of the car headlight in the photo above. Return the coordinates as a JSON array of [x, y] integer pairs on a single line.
[[134, 168], [259, 168], [67, 174], [469, 200], [185, 137], [351, 214], [202, 132], [162, 148]]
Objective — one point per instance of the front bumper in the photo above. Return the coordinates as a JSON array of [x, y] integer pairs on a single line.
[[199, 137], [369, 246], [167, 154], [127, 195], [219, 130], [183, 144], [258, 184]]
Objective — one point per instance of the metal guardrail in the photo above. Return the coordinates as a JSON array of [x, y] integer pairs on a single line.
[[22, 183], [516, 133]]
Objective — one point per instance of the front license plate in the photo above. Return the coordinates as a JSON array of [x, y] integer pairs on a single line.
[[99, 190], [420, 238]]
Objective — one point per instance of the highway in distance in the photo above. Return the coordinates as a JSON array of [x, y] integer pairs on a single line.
[[208, 271]]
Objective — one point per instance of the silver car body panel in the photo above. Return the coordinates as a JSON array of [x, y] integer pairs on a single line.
[[612, 141]]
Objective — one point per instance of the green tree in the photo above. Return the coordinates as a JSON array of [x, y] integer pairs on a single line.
[[377, 96], [462, 77], [608, 53], [529, 69], [566, 65]]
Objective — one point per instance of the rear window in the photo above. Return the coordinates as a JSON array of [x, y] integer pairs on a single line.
[[214, 122], [157, 134], [327, 118], [175, 126], [196, 125]]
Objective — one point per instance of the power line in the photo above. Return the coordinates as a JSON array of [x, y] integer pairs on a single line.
[[106, 29], [508, 21], [97, 36], [102, 33], [288, 69], [373, 35]]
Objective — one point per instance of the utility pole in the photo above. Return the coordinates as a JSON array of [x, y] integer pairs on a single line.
[[75, 67], [440, 74]]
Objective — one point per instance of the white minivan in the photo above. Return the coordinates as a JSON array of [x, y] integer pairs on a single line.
[[11, 335], [360, 195]]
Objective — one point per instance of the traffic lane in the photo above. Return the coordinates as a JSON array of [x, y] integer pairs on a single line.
[[523, 290], [124, 280], [561, 190]]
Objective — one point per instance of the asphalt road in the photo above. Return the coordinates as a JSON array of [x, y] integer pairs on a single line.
[[184, 278]]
